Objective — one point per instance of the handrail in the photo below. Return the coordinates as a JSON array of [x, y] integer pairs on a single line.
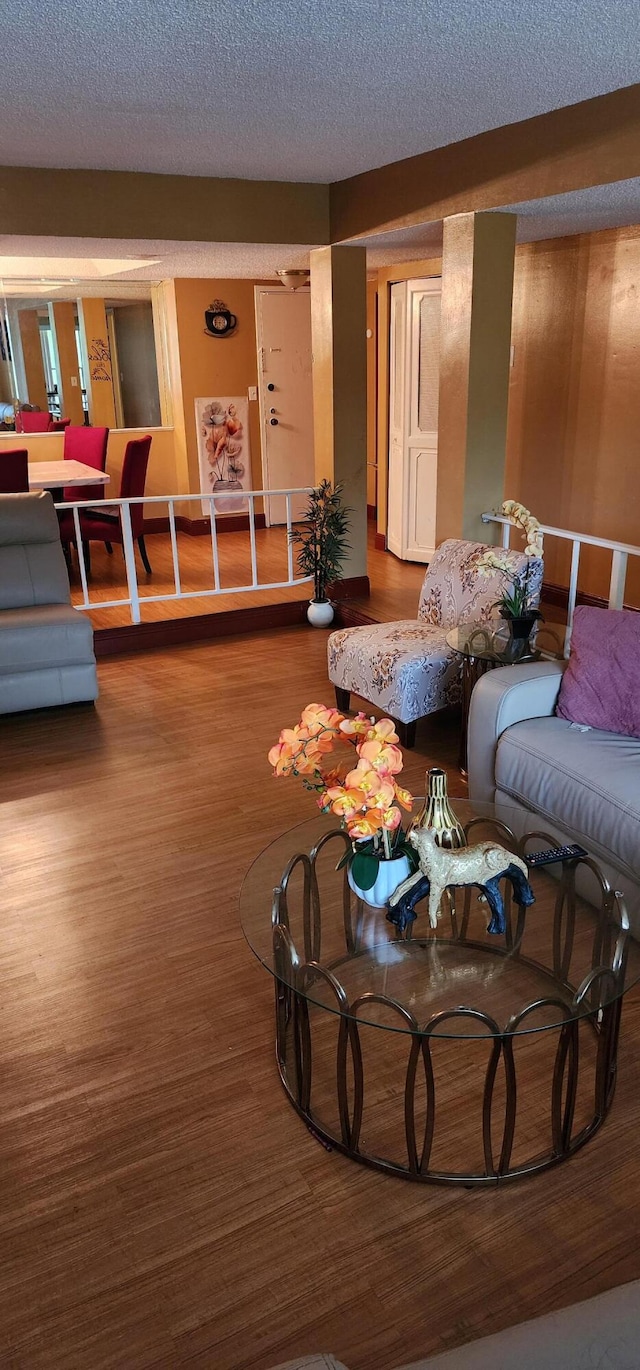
[[133, 600], [620, 552]]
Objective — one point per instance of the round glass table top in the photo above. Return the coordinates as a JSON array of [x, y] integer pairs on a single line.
[[565, 957], [493, 642]]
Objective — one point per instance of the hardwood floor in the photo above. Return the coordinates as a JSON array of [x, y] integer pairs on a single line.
[[162, 1205]]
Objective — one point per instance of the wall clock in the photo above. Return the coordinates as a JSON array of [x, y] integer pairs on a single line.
[[219, 320]]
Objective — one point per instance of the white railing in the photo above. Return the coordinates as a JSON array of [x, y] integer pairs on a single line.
[[134, 599], [620, 553]]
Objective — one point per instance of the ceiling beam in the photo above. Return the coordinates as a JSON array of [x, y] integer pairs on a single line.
[[54, 203], [592, 143]]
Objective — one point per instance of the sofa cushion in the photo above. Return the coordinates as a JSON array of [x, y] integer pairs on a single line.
[[602, 1333], [405, 668], [585, 780], [36, 639], [600, 684]]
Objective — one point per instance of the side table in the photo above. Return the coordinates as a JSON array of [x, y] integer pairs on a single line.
[[485, 645]]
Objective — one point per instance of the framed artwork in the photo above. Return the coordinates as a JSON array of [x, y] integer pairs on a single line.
[[222, 426]]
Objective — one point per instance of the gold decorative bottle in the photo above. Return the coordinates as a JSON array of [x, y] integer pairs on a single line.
[[437, 814]]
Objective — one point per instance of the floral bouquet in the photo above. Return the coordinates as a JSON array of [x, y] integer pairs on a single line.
[[365, 796], [516, 600]]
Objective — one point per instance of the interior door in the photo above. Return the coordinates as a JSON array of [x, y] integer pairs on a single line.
[[283, 321], [413, 418]]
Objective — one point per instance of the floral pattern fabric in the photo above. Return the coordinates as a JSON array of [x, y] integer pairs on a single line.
[[406, 668]]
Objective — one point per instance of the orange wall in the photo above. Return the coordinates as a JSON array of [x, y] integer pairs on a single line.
[[217, 366], [573, 442]]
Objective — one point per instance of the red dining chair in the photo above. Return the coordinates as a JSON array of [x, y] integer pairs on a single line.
[[58, 425], [33, 421], [99, 525], [88, 445], [14, 471]]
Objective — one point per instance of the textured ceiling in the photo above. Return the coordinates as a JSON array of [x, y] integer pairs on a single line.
[[292, 89]]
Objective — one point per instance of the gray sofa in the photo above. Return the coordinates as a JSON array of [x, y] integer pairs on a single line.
[[582, 781], [46, 646], [601, 1332]]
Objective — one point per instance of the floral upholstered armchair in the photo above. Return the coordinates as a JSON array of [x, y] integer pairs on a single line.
[[406, 668]]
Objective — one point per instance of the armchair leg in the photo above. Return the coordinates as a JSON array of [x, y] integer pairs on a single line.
[[407, 733], [143, 554], [342, 699]]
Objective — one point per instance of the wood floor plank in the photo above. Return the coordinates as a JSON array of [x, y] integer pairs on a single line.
[[160, 1203]]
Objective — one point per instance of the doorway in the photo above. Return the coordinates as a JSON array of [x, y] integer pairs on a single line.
[[283, 326], [414, 355]]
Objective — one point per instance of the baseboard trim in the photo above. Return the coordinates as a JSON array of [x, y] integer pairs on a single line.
[[201, 527], [559, 594], [171, 632], [380, 542]]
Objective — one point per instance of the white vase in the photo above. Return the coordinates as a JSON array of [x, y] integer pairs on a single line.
[[320, 613], [390, 874]]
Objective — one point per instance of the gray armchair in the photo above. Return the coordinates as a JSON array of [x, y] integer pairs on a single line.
[[46, 646]]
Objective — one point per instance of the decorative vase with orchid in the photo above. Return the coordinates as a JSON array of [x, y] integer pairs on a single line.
[[366, 797], [516, 604]]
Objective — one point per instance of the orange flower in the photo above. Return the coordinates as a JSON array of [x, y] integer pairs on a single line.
[[383, 731], [391, 818], [382, 757], [405, 798], [377, 790], [366, 824]]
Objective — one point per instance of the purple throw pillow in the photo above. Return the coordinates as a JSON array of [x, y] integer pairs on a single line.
[[601, 685]]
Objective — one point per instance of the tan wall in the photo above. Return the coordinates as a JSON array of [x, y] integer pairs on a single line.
[[63, 322], [573, 442], [573, 435], [217, 366]]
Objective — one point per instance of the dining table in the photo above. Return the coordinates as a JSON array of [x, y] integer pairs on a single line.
[[56, 476]]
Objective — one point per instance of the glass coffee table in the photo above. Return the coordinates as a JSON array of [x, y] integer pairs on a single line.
[[449, 1055], [483, 646]]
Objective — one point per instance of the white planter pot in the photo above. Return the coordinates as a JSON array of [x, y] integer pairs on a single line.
[[320, 613], [390, 874]]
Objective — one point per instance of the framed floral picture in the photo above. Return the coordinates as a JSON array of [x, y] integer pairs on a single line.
[[222, 427]]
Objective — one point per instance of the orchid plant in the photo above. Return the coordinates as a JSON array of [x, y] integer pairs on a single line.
[[366, 797], [516, 600]]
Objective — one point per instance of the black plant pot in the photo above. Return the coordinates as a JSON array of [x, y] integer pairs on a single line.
[[522, 627]]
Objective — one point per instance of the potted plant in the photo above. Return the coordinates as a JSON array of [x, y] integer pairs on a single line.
[[365, 796], [515, 604], [322, 547]]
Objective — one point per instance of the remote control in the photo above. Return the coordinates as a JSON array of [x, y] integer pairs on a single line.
[[544, 858]]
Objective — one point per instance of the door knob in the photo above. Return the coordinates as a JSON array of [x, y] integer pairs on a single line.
[[273, 422], [271, 386]]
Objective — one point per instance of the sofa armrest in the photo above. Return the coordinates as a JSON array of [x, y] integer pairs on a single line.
[[501, 698]]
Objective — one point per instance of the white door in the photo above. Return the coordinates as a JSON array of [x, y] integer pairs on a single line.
[[283, 322], [414, 348]]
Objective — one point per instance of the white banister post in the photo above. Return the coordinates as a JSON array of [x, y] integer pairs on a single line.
[[252, 535], [174, 546], [506, 534], [214, 543], [80, 551], [618, 579], [573, 593], [130, 561], [289, 542]]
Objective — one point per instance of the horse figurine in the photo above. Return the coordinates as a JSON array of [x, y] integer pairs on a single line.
[[483, 865]]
